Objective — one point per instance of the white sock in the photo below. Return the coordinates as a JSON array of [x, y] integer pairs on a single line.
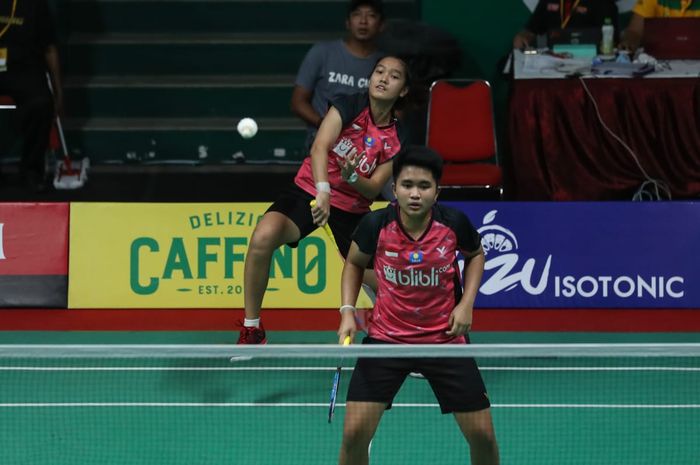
[[254, 323]]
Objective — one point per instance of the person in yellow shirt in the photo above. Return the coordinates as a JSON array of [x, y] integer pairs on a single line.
[[632, 37]]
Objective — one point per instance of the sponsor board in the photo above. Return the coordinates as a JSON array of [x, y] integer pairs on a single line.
[[33, 254], [144, 255], [588, 255]]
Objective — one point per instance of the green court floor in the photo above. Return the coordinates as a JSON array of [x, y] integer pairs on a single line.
[[194, 412]]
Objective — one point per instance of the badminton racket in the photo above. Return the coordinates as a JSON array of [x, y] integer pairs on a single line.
[[360, 318], [336, 384], [326, 228]]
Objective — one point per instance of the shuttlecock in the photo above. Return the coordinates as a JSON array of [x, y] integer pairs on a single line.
[[247, 128]]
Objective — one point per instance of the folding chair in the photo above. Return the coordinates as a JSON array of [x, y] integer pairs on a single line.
[[461, 129]]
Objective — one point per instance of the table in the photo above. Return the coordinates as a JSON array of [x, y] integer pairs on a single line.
[[561, 151]]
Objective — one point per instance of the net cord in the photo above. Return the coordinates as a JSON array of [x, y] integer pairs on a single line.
[[332, 351]]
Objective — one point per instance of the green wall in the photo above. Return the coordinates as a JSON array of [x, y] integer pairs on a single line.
[[484, 29]]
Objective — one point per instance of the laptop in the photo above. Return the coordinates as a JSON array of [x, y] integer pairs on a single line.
[[672, 38], [574, 36]]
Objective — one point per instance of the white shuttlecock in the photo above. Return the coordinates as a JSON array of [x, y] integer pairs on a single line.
[[247, 128]]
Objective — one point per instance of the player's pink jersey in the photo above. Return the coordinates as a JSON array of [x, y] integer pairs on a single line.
[[419, 281], [379, 144]]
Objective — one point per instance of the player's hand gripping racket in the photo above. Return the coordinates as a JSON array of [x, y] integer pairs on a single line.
[[336, 384], [326, 227], [360, 318]]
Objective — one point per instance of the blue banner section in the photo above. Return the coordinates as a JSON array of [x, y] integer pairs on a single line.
[[588, 255]]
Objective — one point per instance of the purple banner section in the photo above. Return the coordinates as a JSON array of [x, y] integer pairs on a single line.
[[588, 254]]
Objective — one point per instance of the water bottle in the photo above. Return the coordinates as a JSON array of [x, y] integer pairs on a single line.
[[607, 44]]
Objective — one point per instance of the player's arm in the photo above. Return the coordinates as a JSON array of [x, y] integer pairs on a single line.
[[310, 70], [326, 136], [301, 106], [523, 39], [353, 270], [461, 317], [632, 36]]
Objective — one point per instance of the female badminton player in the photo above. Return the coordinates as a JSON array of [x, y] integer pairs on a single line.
[[346, 170]]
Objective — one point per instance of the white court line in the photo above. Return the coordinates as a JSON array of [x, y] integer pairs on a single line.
[[325, 404], [589, 368], [30, 368], [330, 368]]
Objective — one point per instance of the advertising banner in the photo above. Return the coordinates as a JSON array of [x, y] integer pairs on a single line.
[[143, 255], [33, 254], [588, 254]]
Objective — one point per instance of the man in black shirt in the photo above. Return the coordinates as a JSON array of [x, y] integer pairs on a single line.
[[27, 51], [551, 15]]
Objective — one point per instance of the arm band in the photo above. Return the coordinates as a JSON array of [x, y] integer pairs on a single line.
[[345, 308]]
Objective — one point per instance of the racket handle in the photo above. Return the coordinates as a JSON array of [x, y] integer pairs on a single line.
[[326, 228]]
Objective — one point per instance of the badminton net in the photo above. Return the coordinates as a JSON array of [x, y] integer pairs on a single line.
[[197, 404]]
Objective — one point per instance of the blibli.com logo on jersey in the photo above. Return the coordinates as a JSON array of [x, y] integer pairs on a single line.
[[343, 149], [500, 246], [414, 277]]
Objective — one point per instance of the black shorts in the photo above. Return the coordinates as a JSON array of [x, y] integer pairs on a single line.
[[294, 204], [456, 382]]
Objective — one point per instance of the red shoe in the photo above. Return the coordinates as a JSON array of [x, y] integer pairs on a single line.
[[252, 335]]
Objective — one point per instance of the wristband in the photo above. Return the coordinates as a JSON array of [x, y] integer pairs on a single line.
[[344, 308], [323, 187]]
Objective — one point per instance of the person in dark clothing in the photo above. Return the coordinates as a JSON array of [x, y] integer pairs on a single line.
[[551, 15], [28, 50]]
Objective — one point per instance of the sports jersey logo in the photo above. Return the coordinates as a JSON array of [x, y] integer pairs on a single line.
[[343, 147], [388, 253], [415, 257], [412, 277], [369, 141], [365, 167], [340, 78], [442, 250], [356, 126], [387, 146]]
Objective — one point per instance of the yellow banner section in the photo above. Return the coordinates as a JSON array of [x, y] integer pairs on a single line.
[[141, 255]]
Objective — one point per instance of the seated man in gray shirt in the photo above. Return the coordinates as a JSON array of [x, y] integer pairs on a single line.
[[338, 67]]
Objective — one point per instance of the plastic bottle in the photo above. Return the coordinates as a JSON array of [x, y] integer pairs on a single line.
[[607, 43]]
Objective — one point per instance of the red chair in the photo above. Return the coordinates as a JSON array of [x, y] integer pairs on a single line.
[[461, 129]]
